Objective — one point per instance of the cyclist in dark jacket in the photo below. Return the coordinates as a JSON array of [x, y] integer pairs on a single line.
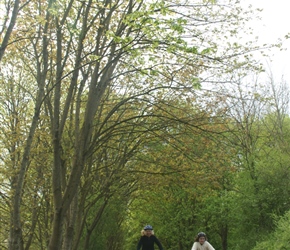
[[148, 239]]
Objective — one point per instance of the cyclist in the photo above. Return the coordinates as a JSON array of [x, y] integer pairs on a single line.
[[201, 243], [148, 239]]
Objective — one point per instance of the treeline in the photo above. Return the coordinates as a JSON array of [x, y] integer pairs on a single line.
[[106, 127]]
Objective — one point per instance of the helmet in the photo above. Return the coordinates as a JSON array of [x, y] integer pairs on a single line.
[[201, 234], [148, 227]]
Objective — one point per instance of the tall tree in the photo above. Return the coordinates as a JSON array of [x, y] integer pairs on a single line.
[[74, 54], [257, 124]]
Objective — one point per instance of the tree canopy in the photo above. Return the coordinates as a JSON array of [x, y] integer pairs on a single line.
[[106, 123]]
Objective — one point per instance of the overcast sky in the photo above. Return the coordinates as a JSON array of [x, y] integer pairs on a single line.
[[275, 24]]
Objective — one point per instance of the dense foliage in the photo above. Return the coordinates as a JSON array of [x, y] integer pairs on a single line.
[[107, 126]]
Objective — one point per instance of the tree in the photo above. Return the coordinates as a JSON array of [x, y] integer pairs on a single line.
[[8, 20], [280, 237], [75, 53], [176, 192], [257, 122]]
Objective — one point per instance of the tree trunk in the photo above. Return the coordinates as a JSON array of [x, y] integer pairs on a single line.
[[224, 236], [94, 224], [56, 237], [15, 237], [70, 225], [11, 25]]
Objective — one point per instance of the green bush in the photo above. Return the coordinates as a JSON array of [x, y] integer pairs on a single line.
[[280, 238]]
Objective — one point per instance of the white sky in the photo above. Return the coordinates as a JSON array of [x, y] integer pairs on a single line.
[[275, 24]]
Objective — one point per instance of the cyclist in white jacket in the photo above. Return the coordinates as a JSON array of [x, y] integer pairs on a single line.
[[201, 243]]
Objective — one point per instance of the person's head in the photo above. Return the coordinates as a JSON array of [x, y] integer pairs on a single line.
[[201, 238], [147, 231]]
